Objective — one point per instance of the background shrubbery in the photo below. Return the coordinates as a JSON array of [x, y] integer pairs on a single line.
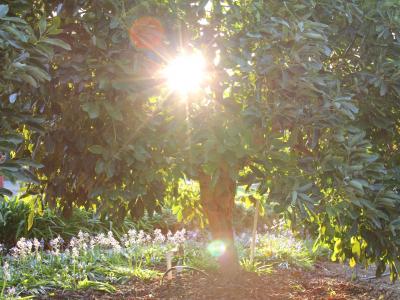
[[20, 218]]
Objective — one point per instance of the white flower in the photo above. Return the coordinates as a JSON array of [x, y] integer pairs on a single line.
[[55, 245], [22, 249], [11, 291], [141, 238], [132, 233], [6, 271], [113, 242], [125, 241], [92, 243], [83, 236], [179, 237], [148, 238], [74, 253], [159, 238], [101, 239], [73, 242], [170, 237], [36, 244]]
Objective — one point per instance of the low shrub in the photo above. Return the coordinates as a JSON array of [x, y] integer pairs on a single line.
[[14, 216], [18, 218]]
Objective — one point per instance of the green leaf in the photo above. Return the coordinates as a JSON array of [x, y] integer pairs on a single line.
[[3, 10], [21, 36], [54, 27], [14, 20], [26, 176], [356, 247], [6, 146], [352, 262], [29, 79], [42, 25], [28, 163], [305, 197], [9, 166], [357, 184], [92, 108], [305, 187], [314, 35], [113, 110], [110, 169], [140, 153], [96, 149], [99, 167], [383, 89], [38, 73], [35, 126], [7, 192], [57, 42], [30, 219], [16, 139], [294, 197]]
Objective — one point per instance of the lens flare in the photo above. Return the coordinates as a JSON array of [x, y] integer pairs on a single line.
[[185, 73], [216, 248], [147, 33]]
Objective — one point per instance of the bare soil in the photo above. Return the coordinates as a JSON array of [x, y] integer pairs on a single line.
[[327, 281]]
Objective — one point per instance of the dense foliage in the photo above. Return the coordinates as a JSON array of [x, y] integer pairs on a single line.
[[302, 100], [26, 50]]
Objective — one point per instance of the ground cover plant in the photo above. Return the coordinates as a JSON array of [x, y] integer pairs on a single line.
[[102, 262]]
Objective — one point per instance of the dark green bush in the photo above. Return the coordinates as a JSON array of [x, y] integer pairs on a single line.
[[14, 216]]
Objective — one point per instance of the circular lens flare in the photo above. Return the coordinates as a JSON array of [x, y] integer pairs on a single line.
[[185, 73], [216, 248], [147, 33]]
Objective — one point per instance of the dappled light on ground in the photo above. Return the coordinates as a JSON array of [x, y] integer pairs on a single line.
[[280, 285]]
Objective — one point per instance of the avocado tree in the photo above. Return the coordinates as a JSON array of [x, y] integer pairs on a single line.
[[26, 49], [300, 97]]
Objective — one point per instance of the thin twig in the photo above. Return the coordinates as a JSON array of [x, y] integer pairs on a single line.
[[375, 277], [254, 232], [182, 267]]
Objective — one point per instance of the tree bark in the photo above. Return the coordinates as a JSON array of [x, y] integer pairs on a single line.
[[218, 202]]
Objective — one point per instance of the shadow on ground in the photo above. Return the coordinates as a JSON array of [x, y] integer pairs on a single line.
[[326, 281]]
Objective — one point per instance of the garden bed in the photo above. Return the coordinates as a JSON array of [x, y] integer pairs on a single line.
[[102, 267], [325, 281]]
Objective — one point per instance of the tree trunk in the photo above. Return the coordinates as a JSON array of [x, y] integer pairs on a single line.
[[218, 202]]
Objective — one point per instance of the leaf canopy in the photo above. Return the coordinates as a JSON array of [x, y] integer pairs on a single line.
[[302, 99]]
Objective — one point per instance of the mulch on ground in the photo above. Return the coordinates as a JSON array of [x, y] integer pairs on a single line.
[[318, 283]]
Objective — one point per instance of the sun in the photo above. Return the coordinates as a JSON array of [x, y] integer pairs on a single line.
[[185, 73]]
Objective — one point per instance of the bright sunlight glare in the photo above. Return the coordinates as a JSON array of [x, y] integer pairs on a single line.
[[185, 73]]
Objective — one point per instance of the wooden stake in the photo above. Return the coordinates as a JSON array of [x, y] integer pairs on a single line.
[[254, 232], [168, 257]]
